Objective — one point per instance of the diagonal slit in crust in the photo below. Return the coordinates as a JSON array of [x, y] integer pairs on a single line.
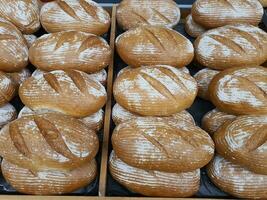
[[161, 15], [78, 80], [154, 39], [140, 17], [67, 9], [64, 37], [52, 81], [257, 139], [90, 41], [229, 4], [89, 9]]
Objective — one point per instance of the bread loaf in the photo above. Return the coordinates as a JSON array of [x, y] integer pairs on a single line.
[[19, 77], [216, 13], [155, 90], [244, 141], [23, 14], [30, 39], [263, 3], [93, 122], [154, 45], [69, 92], [13, 51], [203, 78], [240, 90], [47, 141], [80, 15], [192, 28], [7, 88], [7, 114], [237, 180], [119, 115], [163, 145], [214, 119], [70, 50], [48, 182], [154, 183], [231, 46], [135, 13]]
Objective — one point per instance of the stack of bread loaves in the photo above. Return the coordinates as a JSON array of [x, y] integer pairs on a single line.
[[51, 148]]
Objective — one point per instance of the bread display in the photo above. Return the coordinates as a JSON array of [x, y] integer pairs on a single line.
[[70, 50], [30, 39], [7, 114], [214, 119], [229, 46], [192, 28], [243, 141], [154, 183], [7, 88], [93, 122], [203, 78], [240, 90], [163, 145], [237, 180], [154, 45], [134, 13], [119, 115], [23, 14], [69, 92], [13, 51], [155, 90], [217, 13], [79, 15]]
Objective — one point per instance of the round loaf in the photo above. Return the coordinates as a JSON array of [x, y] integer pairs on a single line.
[[134, 13], [240, 90], [155, 90], [70, 50], [154, 183], [163, 145], [23, 14], [216, 13], [79, 15], [8, 113], [30, 39], [13, 51], [93, 122], [7, 88], [19, 77], [203, 78], [263, 3], [231, 46], [69, 92], [48, 141], [120, 114], [237, 180], [154, 45], [244, 141], [48, 182], [214, 119], [192, 28]]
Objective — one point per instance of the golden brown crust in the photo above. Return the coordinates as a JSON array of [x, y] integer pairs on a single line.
[[19, 77], [49, 181], [155, 90], [263, 3], [163, 145], [7, 88], [237, 180], [83, 15], [243, 141], [154, 183], [240, 90], [192, 28], [69, 92], [70, 50], [217, 13], [134, 13], [230, 46], [154, 45]]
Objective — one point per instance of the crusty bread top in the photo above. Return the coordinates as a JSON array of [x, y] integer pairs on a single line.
[[192, 28]]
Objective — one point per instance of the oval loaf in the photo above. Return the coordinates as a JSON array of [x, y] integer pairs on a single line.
[[192, 28], [216, 13], [70, 50], [155, 90], [244, 141], [7, 88], [231, 46], [79, 15], [48, 141], [154, 45], [163, 145], [154, 183], [69, 92], [240, 90], [23, 14], [134, 13], [237, 180]]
